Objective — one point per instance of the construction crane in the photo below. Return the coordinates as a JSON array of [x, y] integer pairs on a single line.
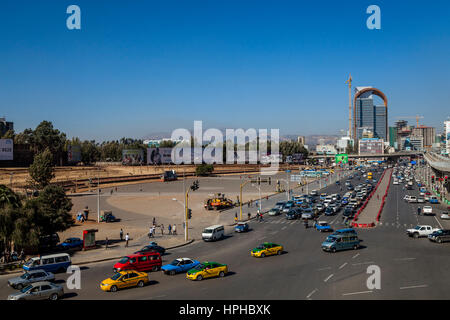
[[349, 81], [417, 117]]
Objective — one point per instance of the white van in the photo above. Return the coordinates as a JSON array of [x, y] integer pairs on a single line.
[[213, 233]]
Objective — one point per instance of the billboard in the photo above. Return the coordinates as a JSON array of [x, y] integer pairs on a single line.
[[159, 156], [341, 158], [74, 154], [447, 135], [132, 156], [6, 149]]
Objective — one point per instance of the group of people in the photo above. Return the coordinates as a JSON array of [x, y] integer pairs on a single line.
[[12, 256], [83, 216], [172, 230]]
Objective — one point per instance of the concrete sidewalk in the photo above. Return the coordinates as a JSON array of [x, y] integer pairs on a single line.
[[369, 214]]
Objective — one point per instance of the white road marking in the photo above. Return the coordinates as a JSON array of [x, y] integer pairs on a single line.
[[438, 222], [342, 266], [261, 238], [328, 278], [326, 268], [283, 228], [405, 259], [352, 293], [311, 293], [358, 264], [412, 287], [356, 255]]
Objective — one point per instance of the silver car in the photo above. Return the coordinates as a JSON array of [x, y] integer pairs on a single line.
[[30, 277], [39, 291]]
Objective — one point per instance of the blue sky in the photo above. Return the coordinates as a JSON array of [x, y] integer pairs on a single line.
[[138, 67]]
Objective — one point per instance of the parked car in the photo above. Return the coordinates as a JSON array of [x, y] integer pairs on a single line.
[[71, 243], [30, 277], [179, 265], [42, 290]]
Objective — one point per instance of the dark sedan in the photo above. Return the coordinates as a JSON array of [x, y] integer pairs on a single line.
[[152, 248]]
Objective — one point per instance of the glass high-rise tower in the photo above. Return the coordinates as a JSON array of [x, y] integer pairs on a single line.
[[369, 116]]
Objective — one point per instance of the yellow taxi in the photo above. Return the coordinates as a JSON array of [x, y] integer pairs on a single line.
[[207, 270], [266, 249], [124, 279]]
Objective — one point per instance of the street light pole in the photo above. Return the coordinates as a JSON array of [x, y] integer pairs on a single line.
[[98, 195]]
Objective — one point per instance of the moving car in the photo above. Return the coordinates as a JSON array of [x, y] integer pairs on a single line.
[[307, 213], [266, 249], [141, 262], [30, 277], [323, 226], [241, 227], [337, 242], [179, 265], [292, 214], [433, 199], [440, 236], [124, 279], [153, 247], [420, 231], [445, 216], [213, 233], [42, 290], [207, 270], [51, 263], [274, 211], [427, 211]]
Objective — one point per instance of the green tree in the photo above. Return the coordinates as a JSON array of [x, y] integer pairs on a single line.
[[10, 204], [204, 169], [90, 152], [41, 170]]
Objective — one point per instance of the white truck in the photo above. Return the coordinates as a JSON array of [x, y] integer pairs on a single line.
[[420, 231]]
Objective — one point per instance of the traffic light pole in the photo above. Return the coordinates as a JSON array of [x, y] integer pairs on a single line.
[[240, 199]]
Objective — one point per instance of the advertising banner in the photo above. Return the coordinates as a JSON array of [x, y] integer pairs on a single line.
[[132, 157], [341, 158], [6, 149], [159, 156], [74, 154]]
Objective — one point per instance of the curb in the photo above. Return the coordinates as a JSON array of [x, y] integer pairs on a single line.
[[103, 260]]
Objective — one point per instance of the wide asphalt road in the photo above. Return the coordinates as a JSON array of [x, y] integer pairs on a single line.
[[410, 268]]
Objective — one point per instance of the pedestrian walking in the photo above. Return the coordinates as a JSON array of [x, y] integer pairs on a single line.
[[174, 229], [127, 238], [162, 229], [121, 234], [154, 221], [150, 232], [248, 215], [418, 211], [106, 243], [169, 228], [22, 256], [235, 217], [378, 197], [248, 204]]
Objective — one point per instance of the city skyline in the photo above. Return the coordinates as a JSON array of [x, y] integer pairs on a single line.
[[136, 69]]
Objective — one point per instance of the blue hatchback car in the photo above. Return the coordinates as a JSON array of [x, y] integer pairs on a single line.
[[241, 227], [179, 265], [71, 243]]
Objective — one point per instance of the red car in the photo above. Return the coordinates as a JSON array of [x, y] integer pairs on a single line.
[[150, 261]]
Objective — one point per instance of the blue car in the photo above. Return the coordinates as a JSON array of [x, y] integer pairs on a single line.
[[323, 226], [71, 243], [179, 265], [241, 227]]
